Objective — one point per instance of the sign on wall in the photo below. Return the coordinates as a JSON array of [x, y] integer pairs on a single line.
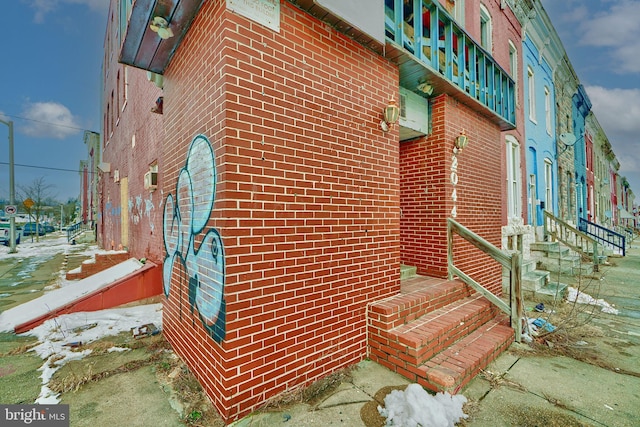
[[265, 12]]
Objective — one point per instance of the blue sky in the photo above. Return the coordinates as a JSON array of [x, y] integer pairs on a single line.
[[50, 72], [602, 39]]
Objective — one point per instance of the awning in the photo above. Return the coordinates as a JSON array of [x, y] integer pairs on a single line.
[[624, 214]]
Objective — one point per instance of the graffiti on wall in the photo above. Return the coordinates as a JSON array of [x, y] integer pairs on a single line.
[[202, 264], [137, 212]]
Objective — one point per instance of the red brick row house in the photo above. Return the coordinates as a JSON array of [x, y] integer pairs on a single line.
[[286, 207]]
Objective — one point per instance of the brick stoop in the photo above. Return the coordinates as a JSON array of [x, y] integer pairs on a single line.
[[99, 263], [437, 333]]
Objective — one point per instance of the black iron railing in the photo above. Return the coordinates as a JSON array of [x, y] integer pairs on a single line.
[[608, 238], [76, 229]]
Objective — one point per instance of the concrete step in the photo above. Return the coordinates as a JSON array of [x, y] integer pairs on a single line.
[[528, 265], [454, 367], [569, 266], [535, 280], [550, 248], [407, 271], [551, 292]]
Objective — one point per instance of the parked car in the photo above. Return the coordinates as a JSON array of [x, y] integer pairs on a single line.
[[48, 228], [31, 228], [5, 233]]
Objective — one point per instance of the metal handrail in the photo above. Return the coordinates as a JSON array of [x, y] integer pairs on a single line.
[[512, 262], [76, 229], [570, 236], [603, 234]]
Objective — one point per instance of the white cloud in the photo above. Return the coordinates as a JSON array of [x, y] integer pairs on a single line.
[[43, 7], [50, 120], [617, 28], [618, 112]]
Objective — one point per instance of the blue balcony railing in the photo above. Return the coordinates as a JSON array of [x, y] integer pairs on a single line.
[[431, 35]]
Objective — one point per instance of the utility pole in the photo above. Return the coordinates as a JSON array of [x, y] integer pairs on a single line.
[[12, 190]]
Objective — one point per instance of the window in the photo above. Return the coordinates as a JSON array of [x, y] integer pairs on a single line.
[[531, 81], [125, 12], [485, 28], [111, 119], [458, 12], [547, 109], [117, 105], [513, 60], [513, 65], [548, 185], [513, 178], [125, 88]]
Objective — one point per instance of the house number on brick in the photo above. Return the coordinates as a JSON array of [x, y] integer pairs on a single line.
[[454, 182]]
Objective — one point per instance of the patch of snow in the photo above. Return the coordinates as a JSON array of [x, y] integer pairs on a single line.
[[574, 295], [60, 338], [414, 407]]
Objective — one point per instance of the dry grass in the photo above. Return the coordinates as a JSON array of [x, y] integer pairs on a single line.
[[498, 380], [313, 395], [198, 410]]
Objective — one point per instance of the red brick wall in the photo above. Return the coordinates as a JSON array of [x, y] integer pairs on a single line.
[[506, 27], [131, 116], [426, 192], [306, 200]]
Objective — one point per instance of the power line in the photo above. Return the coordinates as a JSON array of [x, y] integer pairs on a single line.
[[46, 123], [48, 168]]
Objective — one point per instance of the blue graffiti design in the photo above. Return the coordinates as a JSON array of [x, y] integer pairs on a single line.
[[185, 217]]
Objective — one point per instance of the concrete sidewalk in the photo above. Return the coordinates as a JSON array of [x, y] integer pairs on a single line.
[[585, 374]]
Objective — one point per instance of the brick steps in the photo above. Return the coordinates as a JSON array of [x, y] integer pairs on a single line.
[[437, 333], [99, 263], [454, 367]]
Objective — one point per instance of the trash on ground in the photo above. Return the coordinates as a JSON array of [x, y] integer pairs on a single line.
[[536, 325], [73, 344], [145, 331]]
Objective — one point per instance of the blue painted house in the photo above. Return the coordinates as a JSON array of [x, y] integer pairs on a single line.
[[540, 125], [581, 108]]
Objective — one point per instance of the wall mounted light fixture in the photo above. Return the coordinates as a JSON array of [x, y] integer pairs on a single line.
[[391, 114], [158, 106], [161, 26], [462, 141], [425, 88]]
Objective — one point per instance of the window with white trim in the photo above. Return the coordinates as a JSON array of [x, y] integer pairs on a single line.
[[531, 82], [514, 205], [548, 185], [547, 109], [486, 28], [513, 65], [458, 12]]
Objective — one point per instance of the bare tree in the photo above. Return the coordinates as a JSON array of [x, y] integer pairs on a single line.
[[38, 193]]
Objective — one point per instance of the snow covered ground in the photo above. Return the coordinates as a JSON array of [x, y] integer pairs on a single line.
[[58, 337]]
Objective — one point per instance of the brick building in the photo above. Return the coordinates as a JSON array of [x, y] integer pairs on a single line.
[[288, 207], [130, 210]]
